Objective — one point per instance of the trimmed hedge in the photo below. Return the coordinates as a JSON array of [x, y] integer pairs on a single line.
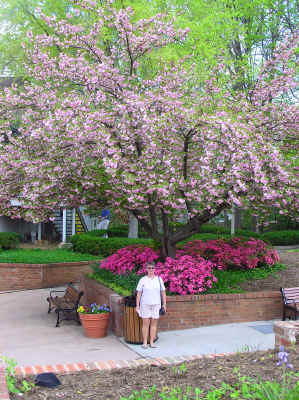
[[86, 243], [93, 242], [9, 240], [117, 231], [221, 230], [281, 238]]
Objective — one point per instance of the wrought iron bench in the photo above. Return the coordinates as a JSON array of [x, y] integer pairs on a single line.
[[65, 304], [290, 298]]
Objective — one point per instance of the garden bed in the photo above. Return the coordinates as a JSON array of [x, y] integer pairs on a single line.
[[205, 373], [191, 311]]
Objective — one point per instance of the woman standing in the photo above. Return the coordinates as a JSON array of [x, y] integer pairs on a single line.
[[150, 289]]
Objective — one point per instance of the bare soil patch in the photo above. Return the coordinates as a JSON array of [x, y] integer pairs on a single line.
[[205, 373]]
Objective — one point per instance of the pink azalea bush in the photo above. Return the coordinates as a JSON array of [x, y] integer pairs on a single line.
[[234, 253], [129, 259], [186, 274], [191, 272]]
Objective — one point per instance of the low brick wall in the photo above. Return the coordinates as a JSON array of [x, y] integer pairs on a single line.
[[37, 276], [3, 387], [191, 311], [286, 333]]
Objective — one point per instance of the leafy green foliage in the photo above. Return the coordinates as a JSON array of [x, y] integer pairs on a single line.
[[11, 381], [39, 256], [281, 238], [228, 281], [9, 240], [244, 388], [117, 231], [86, 243], [276, 238], [121, 284]]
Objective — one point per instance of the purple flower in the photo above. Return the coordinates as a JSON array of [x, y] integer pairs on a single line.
[[283, 358]]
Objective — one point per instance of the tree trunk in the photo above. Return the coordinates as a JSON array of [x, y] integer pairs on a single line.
[[167, 249], [133, 226], [254, 223]]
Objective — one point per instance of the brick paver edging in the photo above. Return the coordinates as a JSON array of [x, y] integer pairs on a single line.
[[108, 364]]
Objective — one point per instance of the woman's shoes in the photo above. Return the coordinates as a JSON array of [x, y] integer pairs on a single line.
[[152, 346]]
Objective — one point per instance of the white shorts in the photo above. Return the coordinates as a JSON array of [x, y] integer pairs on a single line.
[[149, 311]]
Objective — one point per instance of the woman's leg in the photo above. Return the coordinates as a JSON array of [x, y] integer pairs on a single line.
[[153, 330], [145, 329]]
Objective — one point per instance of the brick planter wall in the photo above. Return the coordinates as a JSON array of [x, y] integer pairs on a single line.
[[37, 276], [3, 387], [286, 333], [190, 311]]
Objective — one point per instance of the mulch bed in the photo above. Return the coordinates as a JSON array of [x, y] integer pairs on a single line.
[[204, 373]]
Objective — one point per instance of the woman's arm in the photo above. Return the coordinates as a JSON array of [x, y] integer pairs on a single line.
[[138, 300]]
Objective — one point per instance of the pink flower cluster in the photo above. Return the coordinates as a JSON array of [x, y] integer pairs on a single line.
[[183, 275], [128, 259], [235, 253], [186, 274]]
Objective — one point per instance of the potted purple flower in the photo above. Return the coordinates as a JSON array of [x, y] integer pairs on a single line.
[[95, 319]]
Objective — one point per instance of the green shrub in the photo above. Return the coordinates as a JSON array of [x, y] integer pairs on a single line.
[[96, 232], [86, 243], [213, 228], [9, 240], [204, 237], [116, 231], [281, 238], [217, 229]]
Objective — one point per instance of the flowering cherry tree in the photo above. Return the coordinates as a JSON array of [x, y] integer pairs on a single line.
[[90, 125]]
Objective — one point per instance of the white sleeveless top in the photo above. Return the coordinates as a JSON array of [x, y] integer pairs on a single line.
[[150, 290]]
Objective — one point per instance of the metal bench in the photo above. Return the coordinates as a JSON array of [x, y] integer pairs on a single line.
[[290, 298], [65, 304]]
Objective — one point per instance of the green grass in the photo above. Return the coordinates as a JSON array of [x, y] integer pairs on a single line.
[[39, 256], [228, 281], [293, 251]]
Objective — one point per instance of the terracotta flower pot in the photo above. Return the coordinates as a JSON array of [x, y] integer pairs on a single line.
[[95, 325]]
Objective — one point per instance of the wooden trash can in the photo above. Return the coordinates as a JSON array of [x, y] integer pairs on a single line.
[[132, 322]]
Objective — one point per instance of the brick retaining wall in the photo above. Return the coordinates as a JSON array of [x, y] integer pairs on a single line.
[[286, 333], [37, 276], [184, 312]]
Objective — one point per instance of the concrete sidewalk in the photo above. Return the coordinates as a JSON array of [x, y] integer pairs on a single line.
[[216, 339], [28, 334]]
